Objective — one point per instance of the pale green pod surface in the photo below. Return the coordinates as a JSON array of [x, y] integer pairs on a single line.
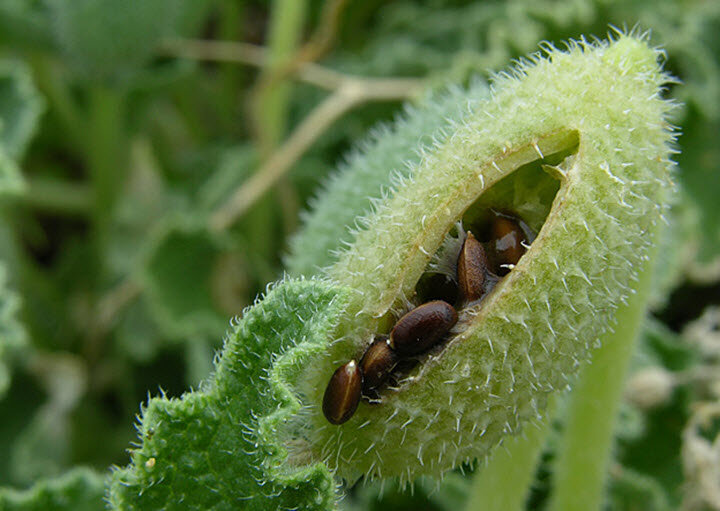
[[388, 155], [594, 112]]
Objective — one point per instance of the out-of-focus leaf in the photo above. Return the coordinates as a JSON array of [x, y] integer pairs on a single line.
[[43, 447], [20, 108], [136, 334], [418, 38], [23, 398], [24, 22], [11, 180], [217, 448], [632, 491], [678, 245], [12, 333], [701, 458], [700, 163], [652, 456], [144, 203], [80, 489], [234, 166], [178, 276], [105, 39]]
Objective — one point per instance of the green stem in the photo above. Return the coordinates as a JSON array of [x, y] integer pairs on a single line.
[[104, 152], [584, 456], [53, 85], [288, 17], [271, 107], [503, 484], [58, 196]]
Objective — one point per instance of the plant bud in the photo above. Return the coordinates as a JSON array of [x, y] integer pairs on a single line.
[[422, 328], [471, 269], [377, 363], [342, 394]]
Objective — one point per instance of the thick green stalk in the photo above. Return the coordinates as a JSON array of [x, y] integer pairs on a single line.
[[582, 463]]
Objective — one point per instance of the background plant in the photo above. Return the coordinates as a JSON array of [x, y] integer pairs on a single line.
[[123, 145]]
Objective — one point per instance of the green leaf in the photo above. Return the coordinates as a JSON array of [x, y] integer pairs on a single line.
[[630, 490], [700, 161], [180, 275], [20, 107], [80, 489], [217, 447], [11, 180], [109, 40], [42, 448]]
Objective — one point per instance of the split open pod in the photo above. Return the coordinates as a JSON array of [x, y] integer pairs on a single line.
[[574, 142]]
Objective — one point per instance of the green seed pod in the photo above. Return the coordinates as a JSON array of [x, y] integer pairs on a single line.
[[577, 144]]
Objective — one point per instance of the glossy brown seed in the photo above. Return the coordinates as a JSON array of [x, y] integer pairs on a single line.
[[342, 394], [472, 269], [377, 363], [422, 328], [508, 242]]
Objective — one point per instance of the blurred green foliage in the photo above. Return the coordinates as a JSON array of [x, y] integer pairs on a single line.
[[114, 152]]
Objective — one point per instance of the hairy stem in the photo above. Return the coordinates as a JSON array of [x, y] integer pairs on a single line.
[[582, 463], [504, 484]]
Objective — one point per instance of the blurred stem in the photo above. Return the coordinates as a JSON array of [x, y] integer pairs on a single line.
[[270, 104], [104, 151], [504, 484], [272, 97], [584, 455], [230, 77], [353, 92], [58, 196], [252, 55], [64, 105]]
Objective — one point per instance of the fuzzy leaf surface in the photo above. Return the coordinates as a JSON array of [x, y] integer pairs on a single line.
[[217, 448]]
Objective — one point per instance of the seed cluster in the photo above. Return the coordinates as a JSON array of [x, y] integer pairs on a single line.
[[427, 325]]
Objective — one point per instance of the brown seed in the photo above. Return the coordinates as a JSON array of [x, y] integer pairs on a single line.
[[342, 394], [508, 244], [471, 269], [422, 328], [377, 363]]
